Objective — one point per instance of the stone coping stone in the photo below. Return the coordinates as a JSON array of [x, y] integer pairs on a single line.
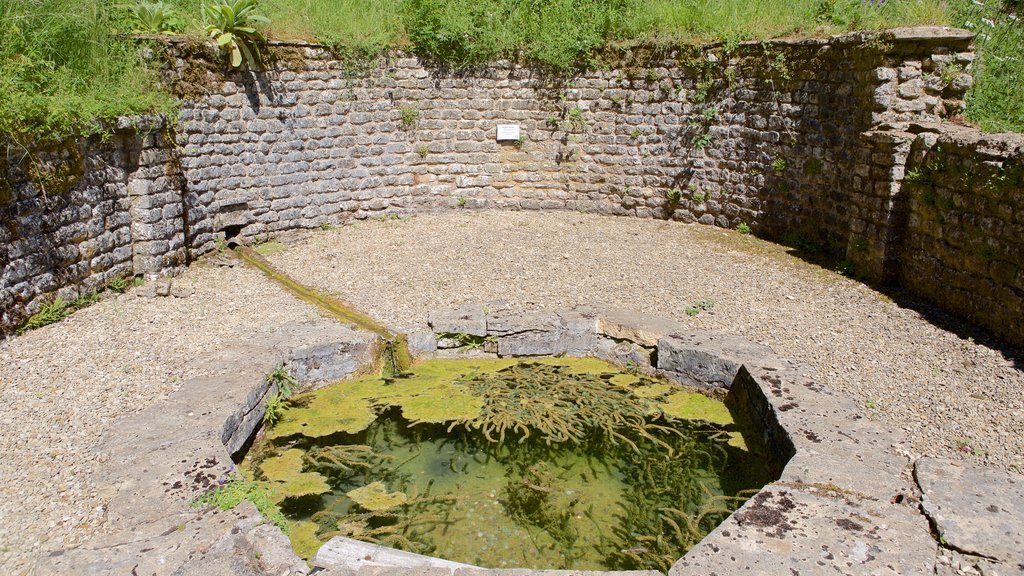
[[368, 570], [783, 531], [352, 555], [975, 510]]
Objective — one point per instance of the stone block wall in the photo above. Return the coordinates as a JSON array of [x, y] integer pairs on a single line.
[[963, 245], [71, 219], [827, 140], [764, 134]]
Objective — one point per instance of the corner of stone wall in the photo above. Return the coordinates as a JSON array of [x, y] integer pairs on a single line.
[[923, 74], [156, 204], [877, 209]]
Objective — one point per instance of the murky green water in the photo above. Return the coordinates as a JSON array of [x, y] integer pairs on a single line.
[[550, 463]]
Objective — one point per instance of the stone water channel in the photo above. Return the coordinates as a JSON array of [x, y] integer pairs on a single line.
[[844, 501]]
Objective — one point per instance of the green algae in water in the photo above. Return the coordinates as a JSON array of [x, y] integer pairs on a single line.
[[546, 463]]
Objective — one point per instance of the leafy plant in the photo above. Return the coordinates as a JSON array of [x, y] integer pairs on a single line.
[[634, 134], [409, 116], [286, 386], [286, 383], [700, 306], [699, 197], [155, 18], [49, 313], [673, 196], [949, 73], [232, 23], [57, 310], [422, 150], [778, 164], [120, 284], [468, 341], [743, 228], [575, 122]]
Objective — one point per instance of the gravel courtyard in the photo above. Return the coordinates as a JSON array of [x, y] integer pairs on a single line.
[[66, 383]]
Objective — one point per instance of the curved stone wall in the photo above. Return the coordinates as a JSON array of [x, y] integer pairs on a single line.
[[802, 139]]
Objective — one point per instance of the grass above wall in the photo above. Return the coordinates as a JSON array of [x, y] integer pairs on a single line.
[[64, 63]]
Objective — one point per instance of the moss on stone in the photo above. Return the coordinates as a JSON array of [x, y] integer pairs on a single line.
[[328, 412], [376, 498], [287, 480], [696, 406], [437, 409], [303, 537]]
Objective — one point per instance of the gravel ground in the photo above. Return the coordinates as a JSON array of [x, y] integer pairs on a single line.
[[62, 385], [952, 396]]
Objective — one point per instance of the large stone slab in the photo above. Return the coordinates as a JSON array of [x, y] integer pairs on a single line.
[[569, 332], [468, 320], [975, 510], [783, 531], [250, 547]]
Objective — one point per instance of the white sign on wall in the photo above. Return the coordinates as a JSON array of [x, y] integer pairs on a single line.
[[508, 132]]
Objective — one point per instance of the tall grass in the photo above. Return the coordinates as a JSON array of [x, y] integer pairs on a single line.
[[361, 27], [996, 100], [66, 62], [61, 67], [735, 20]]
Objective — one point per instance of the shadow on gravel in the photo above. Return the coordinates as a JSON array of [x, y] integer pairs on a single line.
[[930, 312]]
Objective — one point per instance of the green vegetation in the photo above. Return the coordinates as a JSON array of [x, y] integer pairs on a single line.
[[156, 18], [237, 490], [743, 228], [57, 310], [66, 63], [468, 341], [700, 306], [409, 115], [996, 100], [62, 65], [232, 24], [286, 385]]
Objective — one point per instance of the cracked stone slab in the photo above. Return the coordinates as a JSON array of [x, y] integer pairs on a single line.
[[709, 357], [783, 531], [977, 511], [569, 332], [375, 570], [250, 547], [465, 320], [346, 555]]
